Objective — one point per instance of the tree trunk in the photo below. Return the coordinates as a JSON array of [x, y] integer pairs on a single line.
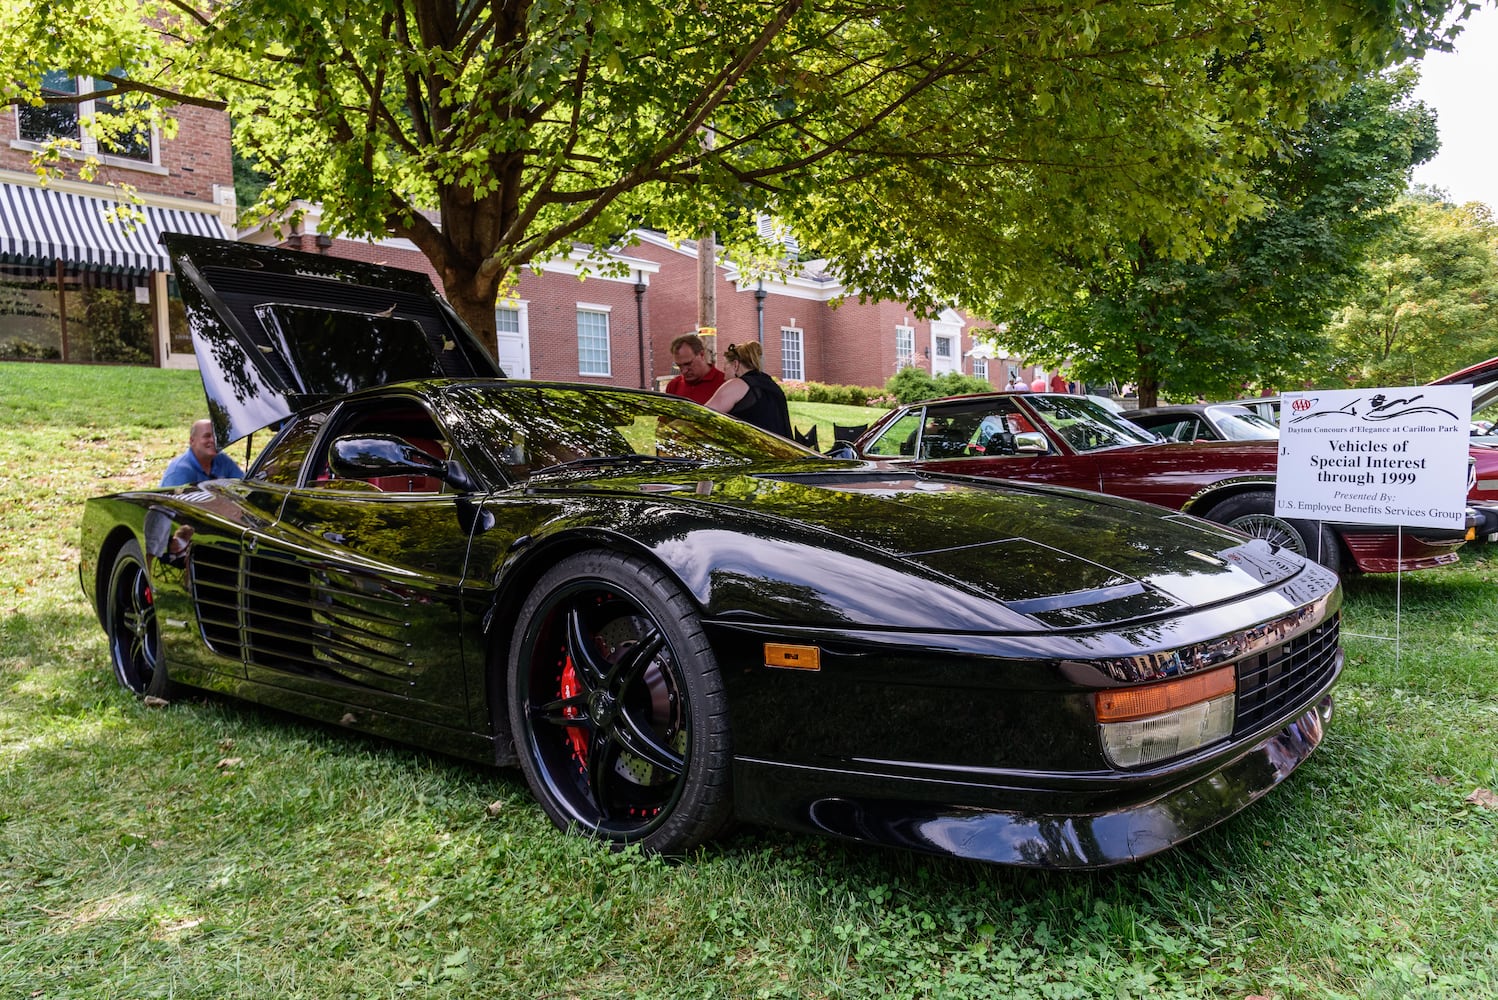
[[707, 277], [473, 298], [1149, 392], [1148, 384]]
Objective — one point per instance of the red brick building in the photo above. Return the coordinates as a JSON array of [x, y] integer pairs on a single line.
[[571, 322], [82, 274]]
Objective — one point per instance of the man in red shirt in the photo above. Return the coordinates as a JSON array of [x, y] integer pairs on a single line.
[[1058, 384], [698, 379]]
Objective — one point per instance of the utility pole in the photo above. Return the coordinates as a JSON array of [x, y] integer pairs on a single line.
[[707, 275]]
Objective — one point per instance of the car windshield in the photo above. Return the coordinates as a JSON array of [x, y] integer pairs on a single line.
[[536, 430], [1238, 424], [1085, 425]]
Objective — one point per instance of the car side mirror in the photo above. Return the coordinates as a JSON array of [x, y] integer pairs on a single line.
[[369, 456], [1031, 443]]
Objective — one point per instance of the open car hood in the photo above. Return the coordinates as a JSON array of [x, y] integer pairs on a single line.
[[277, 331]]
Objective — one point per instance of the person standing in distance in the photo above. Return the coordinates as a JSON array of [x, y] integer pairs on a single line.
[[698, 378], [202, 460]]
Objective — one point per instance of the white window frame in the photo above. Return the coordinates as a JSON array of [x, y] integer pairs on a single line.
[[904, 346], [590, 309], [88, 144], [980, 368], [520, 308], [518, 311], [792, 354]]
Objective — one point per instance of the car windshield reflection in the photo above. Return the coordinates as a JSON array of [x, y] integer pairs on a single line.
[[544, 430], [1085, 425], [1242, 425]]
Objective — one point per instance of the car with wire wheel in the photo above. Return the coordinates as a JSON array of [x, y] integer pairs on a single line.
[[1067, 440], [670, 620]]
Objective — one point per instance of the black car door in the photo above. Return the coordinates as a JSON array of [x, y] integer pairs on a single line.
[[353, 594]]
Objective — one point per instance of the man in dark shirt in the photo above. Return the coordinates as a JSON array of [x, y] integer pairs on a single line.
[[698, 379]]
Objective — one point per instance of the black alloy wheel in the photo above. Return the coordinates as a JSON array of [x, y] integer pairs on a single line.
[[617, 706], [130, 626]]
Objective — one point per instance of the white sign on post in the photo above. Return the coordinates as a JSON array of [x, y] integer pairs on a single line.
[[1375, 456]]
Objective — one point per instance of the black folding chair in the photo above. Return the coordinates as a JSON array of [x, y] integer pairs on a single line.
[[809, 438], [843, 436], [847, 433]]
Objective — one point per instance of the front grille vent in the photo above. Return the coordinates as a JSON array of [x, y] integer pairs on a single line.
[[1281, 678]]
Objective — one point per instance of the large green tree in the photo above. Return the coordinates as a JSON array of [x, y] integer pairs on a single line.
[[1427, 303], [988, 130], [1254, 309]]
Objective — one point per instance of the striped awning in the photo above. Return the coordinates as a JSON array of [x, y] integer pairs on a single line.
[[42, 224]]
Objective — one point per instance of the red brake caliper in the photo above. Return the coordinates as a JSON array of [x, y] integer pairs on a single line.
[[576, 735]]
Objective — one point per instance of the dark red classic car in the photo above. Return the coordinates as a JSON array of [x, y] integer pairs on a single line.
[[1067, 440], [1483, 378]]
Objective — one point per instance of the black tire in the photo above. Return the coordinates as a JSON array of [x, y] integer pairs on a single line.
[[617, 706], [130, 626], [1253, 514]]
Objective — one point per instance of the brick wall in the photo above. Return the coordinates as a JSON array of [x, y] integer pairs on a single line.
[[197, 159], [553, 300], [845, 343], [852, 343]]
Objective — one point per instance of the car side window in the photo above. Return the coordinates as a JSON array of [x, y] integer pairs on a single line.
[[1173, 430], [405, 420], [286, 454], [972, 430], [898, 439]]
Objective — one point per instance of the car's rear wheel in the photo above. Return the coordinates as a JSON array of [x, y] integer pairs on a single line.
[[1253, 514], [130, 626], [617, 705]]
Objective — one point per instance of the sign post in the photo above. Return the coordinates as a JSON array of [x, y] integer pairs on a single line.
[[1376, 456]]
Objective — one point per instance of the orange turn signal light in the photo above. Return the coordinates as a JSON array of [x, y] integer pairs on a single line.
[[1123, 704], [793, 657]]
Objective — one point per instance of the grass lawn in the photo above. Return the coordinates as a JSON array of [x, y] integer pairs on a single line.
[[823, 416], [214, 850]]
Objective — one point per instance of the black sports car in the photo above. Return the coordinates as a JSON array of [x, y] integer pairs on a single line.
[[671, 619]]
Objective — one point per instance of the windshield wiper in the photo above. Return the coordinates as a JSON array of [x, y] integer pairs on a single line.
[[601, 461]]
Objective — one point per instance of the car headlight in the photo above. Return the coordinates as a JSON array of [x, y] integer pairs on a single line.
[[1142, 725]]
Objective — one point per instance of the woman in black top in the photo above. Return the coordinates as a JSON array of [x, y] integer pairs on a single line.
[[750, 394]]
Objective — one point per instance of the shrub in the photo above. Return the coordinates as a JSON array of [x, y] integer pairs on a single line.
[[26, 350], [958, 384], [911, 385], [820, 392]]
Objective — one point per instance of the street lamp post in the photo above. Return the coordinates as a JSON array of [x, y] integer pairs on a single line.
[[759, 311]]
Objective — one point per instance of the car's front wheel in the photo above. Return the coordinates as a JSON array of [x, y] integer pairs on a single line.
[[130, 626], [617, 706], [1253, 514]]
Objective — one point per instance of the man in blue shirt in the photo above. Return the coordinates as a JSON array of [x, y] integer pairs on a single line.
[[201, 460]]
